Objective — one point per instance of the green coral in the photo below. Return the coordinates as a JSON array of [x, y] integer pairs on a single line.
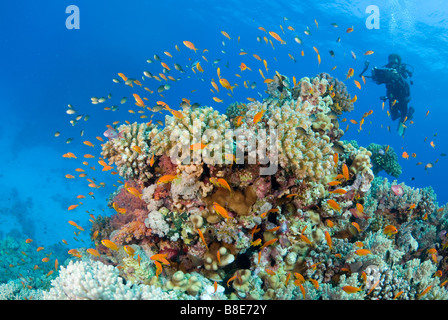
[[384, 160], [235, 110]]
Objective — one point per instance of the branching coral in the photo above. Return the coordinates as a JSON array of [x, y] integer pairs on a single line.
[[96, 281]]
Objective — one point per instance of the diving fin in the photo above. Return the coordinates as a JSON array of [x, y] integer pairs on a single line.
[[411, 113], [401, 129]]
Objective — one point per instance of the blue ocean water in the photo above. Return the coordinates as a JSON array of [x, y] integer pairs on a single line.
[[46, 66]]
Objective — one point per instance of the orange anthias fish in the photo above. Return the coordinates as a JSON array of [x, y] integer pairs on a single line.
[[258, 116], [350, 289], [134, 192], [221, 210], [339, 191], [333, 204], [161, 258], [329, 223], [215, 286], [93, 252], [109, 244], [122, 76], [137, 149], [190, 45], [198, 146], [268, 243], [88, 143], [201, 235], [69, 155], [305, 239], [129, 250], [166, 178], [345, 172], [223, 183], [138, 101], [76, 225], [158, 268], [328, 238], [226, 84], [119, 210], [356, 226], [424, 292], [225, 34], [231, 279], [244, 67], [360, 207], [350, 73], [276, 37], [362, 252], [73, 206], [335, 159], [273, 229], [390, 230]]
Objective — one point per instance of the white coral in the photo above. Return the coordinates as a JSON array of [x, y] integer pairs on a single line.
[[93, 280], [156, 222]]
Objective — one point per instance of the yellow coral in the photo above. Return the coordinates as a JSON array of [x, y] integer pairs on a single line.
[[191, 129]]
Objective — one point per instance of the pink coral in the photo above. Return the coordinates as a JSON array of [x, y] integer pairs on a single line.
[[134, 230], [397, 190], [263, 187], [167, 166], [126, 200]]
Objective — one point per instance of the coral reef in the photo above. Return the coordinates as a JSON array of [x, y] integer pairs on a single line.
[[263, 202]]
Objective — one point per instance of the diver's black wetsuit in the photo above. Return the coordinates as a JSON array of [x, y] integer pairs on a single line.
[[396, 76], [398, 94]]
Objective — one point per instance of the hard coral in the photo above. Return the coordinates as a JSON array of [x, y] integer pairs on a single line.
[[384, 158], [237, 201], [121, 151], [340, 96]]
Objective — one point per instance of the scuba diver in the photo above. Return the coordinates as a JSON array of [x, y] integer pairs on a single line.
[[396, 76]]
